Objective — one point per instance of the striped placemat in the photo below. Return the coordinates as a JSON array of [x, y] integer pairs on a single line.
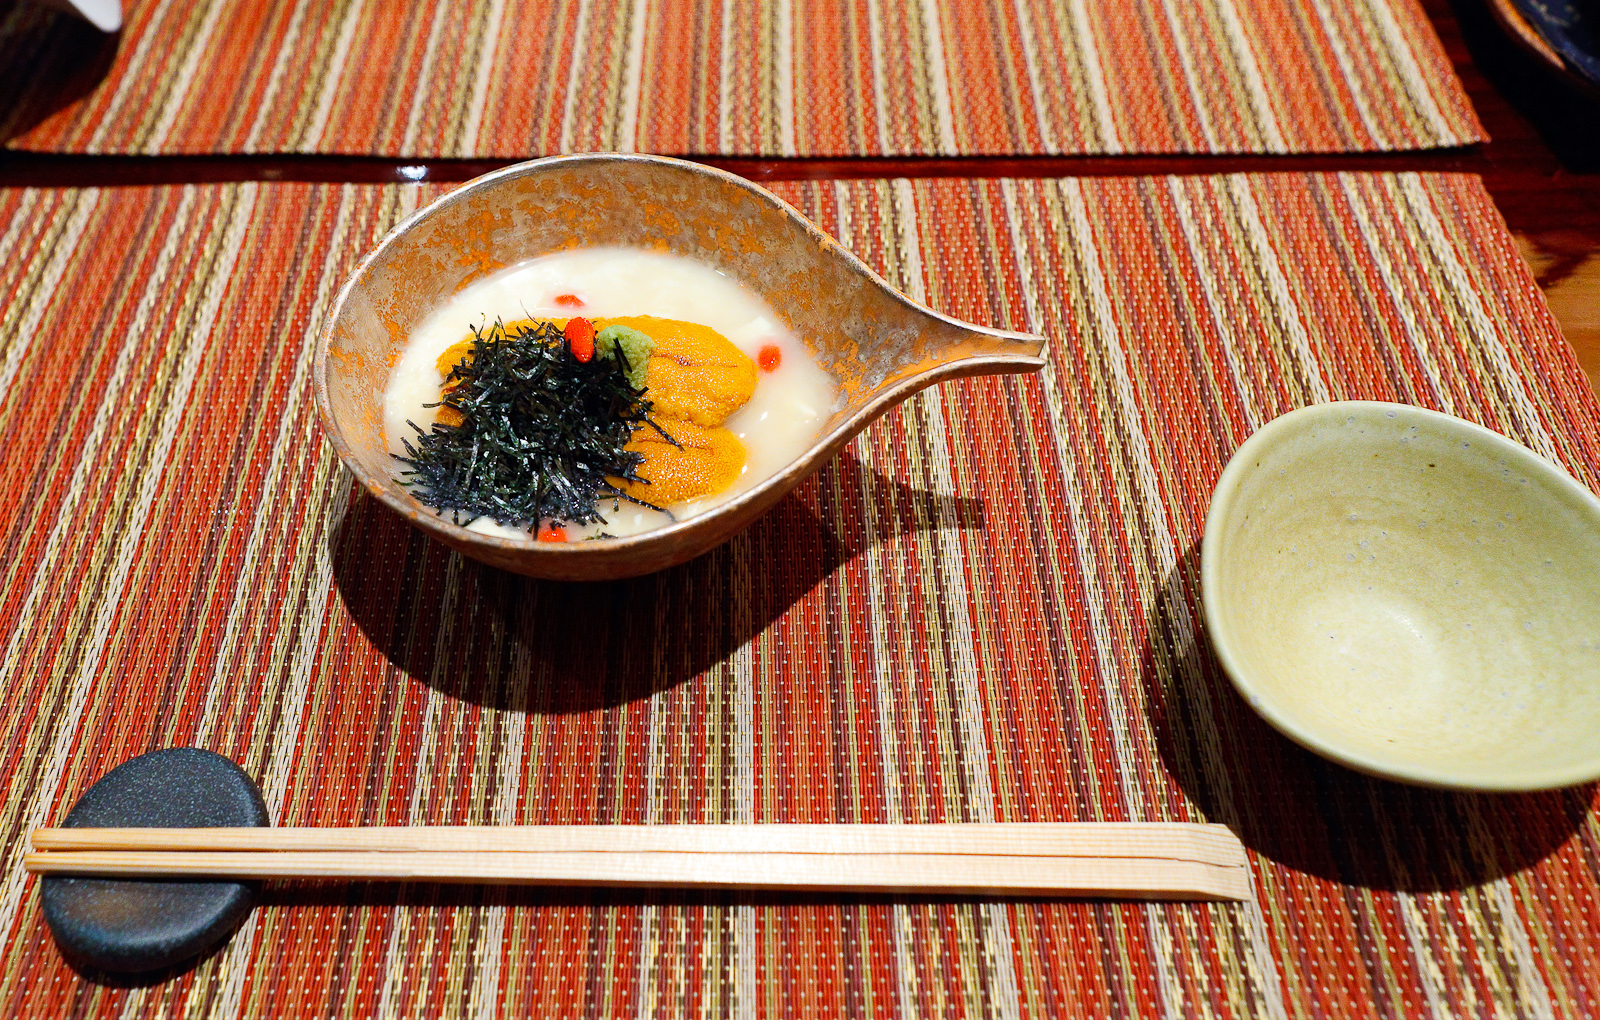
[[984, 609], [756, 77]]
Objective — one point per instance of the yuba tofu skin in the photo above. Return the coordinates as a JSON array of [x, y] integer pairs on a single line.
[[778, 423]]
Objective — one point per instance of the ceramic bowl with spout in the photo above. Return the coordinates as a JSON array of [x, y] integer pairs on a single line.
[[878, 345]]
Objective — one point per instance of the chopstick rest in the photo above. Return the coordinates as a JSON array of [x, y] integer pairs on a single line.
[[147, 846], [134, 927]]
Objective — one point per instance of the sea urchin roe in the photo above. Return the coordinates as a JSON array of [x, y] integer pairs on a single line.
[[456, 355], [692, 377], [702, 461], [695, 373]]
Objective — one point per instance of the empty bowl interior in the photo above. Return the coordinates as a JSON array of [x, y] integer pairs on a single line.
[[1412, 594]]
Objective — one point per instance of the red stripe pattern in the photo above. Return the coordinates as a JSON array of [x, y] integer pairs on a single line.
[[985, 608], [489, 78]]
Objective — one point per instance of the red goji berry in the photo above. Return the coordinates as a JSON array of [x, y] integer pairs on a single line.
[[580, 337], [569, 301]]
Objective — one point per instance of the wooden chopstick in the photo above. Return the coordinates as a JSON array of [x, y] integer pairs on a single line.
[[1180, 841], [1147, 860], [959, 874]]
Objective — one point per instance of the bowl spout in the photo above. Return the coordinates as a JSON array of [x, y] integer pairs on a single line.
[[912, 348]]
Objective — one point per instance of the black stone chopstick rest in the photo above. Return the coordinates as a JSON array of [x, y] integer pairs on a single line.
[[128, 926]]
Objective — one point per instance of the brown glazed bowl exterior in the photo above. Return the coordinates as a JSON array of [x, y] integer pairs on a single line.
[[878, 345]]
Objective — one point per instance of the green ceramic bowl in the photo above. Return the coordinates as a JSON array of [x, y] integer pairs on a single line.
[[1411, 595]]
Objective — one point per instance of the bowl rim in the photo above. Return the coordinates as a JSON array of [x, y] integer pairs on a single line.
[[1222, 641], [749, 502]]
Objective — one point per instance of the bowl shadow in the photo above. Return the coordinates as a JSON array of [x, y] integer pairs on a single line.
[[504, 641], [1312, 815], [52, 60]]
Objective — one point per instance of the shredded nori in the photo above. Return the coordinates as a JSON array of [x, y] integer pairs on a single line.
[[542, 432]]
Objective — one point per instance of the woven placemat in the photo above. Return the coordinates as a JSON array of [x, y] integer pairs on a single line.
[[984, 609], [764, 77]]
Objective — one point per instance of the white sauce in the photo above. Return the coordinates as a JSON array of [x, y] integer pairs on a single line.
[[777, 425]]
